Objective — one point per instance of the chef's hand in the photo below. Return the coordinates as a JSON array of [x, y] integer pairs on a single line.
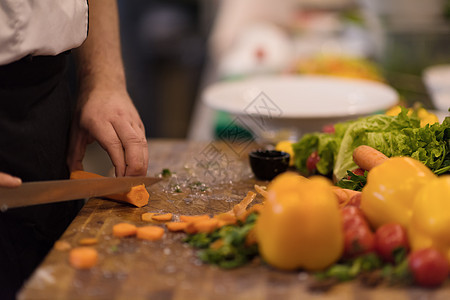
[[109, 117], [105, 112], [7, 180]]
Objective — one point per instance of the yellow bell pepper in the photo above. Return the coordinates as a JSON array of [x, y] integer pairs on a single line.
[[300, 224], [391, 187], [286, 146], [430, 221], [424, 115]]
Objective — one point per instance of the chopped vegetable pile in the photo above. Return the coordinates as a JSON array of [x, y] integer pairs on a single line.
[[228, 246]]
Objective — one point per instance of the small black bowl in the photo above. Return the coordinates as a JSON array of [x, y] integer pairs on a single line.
[[266, 164]]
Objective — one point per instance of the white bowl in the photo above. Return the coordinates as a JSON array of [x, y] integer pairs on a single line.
[[287, 106], [437, 81]]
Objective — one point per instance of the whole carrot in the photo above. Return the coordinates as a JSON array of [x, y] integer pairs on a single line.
[[367, 157], [137, 196]]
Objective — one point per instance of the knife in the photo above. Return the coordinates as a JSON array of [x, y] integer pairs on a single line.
[[42, 192]]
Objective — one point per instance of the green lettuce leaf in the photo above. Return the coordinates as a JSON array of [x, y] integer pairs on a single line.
[[392, 135]]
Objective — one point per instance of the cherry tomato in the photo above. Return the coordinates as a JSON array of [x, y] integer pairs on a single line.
[[311, 161], [352, 217], [328, 129], [388, 238], [358, 240], [429, 267]]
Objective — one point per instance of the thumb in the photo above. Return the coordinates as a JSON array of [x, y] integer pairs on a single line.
[[7, 180]]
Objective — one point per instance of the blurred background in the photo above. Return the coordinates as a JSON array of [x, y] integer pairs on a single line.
[[172, 49]]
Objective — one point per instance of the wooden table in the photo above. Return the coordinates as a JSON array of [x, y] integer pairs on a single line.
[[168, 269]]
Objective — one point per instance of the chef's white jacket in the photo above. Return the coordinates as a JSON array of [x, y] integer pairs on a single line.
[[41, 27]]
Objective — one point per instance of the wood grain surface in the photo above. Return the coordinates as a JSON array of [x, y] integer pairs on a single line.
[[168, 269]]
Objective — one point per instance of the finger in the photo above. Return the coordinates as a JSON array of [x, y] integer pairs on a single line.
[[77, 150], [140, 128], [134, 144], [7, 180], [111, 143]]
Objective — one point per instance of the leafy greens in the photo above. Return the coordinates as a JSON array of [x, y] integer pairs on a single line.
[[392, 135]]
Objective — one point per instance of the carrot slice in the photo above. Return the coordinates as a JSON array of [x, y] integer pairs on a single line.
[[225, 219], [189, 219], [250, 239], [261, 190], [83, 257], [151, 233], [240, 208], [88, 241], [367, 157], [147, 217], [176, 226], [206, 226], [163, 217], [190, 228], [217, 244], [124, 229], [137, 196], [62, 246], [256, 208]]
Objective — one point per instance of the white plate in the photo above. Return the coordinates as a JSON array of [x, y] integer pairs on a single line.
[[297, 96], [284, 107], [437, 81]]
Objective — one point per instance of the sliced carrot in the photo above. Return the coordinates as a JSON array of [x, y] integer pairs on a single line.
[[88, 241], [147, 217], [62, 246], [83, 257], [137, 196], [206, 226], [240, 208], [163, 217], [176, 226], [367, 157], [124, 229], [79, 174], [151, 233], [190, 228], [189, 219], [256, 208], [250, 239], [261, 190], [217, 244], [225, 219]]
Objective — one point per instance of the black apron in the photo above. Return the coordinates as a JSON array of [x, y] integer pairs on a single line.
[[35, 116]]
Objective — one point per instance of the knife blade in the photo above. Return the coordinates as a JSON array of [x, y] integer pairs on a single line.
[[42, 192]]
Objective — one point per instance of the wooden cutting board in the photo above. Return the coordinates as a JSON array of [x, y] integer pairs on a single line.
[[168, 269]]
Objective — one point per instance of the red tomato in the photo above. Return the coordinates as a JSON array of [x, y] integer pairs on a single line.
[[429, 267], [388, 238], [358, 171], [355, 200], [328, 129], [311, 162], [358, 240], [352, 217]]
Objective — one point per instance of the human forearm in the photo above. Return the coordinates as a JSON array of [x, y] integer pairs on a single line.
[[105, 112], [99, 58]]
